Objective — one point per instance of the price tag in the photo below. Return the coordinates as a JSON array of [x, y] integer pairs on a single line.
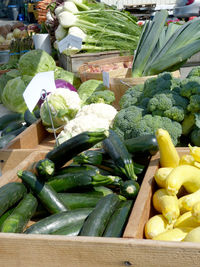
[[42, 80], [106, 79], [69, 41]]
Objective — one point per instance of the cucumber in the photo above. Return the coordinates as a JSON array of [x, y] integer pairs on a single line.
[[117, 222], [142, 144], [119, 154], [6, 119], [59, 221], [4, 140], [20, 216], [74, 201], [29, 117], [129, 189], [43, 168], [10, 194], [65, 182], [14, 125], [93, 157], [75, 145], [97, 221], [46, 194]]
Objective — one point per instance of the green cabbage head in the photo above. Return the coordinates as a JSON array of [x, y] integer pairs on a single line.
[[12, 96], [36, 61], [63, 105]]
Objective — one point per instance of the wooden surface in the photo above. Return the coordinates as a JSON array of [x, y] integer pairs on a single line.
[[34, 137], [23, 250], [143, 208]]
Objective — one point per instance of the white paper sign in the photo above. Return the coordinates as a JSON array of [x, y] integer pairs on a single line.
[[69, 41], [106, 79], [42, 80]]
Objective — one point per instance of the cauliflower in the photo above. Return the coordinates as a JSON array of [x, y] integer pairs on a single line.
[[63, 104], [101, 110], [91, 117]]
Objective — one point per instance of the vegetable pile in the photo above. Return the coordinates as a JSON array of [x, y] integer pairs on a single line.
[[177, 211], [92, 196]]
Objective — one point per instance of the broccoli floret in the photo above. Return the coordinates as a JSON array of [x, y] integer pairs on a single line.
[[175, 113], [194, 105], [194, 72], [159, 101], [190, 86], [106, 97], [131, 96]]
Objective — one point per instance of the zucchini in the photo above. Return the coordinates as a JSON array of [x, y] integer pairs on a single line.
[[119, 154], [5, 216], [29, 117], [73, 201], [129, 189], [65, 182], [93, 157], [97, 221], [117, 222], [20, 216], [37, 113], [75, 145], [70, 230], [142, 144], [6, 119], [90, 170], [59, 221], [10, 194], [48, 197], [43, 168], [14, 125], [4, 140]]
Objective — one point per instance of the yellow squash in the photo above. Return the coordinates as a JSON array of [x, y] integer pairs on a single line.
[[169, 156], [193, 236], [196, 211], [183, 175], [186, 220], [166, 204], [175, 234], [161, 175], [190, 200]]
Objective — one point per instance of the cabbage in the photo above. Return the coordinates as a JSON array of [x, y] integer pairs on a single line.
[[12, 96], [63, 104], [63, 84], [68, 76], [36, 61]]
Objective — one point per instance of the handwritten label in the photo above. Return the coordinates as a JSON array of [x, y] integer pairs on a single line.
[[68, 42], [41, 81], [106, 79]]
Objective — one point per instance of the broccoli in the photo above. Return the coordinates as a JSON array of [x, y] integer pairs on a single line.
[[106, 97], [194, 72], [159, 101], [132, 122], [131, 96], [190, 86], [194, 105]]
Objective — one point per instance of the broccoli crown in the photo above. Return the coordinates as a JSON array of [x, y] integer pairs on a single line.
[[194, 72], [190, 86], [159, 101], [194, 104], [132, 122], [105, 96], [175, 113], [131, 96]]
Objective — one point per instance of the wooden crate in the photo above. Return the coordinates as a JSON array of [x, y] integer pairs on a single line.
[[50, 251], [73, 62], [34, 137]]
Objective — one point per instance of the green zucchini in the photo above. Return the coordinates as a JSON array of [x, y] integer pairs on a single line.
[[70, 230], [59, 221], [119, 154], [65, 182], [93, 157], [97, 221], [20, 216], [75, 145], [46, 194], [117, 222], [43, 168], [74, 201], [142, 144], [129, 189], [6, 119], [4, 140], [90, 170], [14, 125], [10, 194], [37, 113], [29, 117], [5, 216]]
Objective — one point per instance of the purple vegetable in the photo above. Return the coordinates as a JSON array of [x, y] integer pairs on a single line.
[[63, 84], [59, 84]]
